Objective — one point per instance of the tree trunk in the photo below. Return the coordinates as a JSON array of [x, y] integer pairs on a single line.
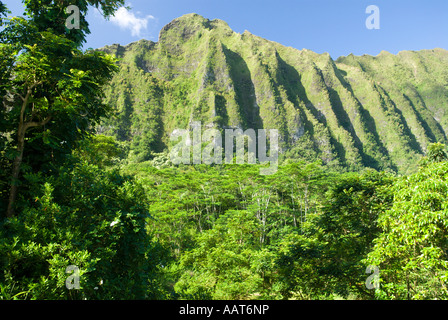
[[16, 171], [23, 127]]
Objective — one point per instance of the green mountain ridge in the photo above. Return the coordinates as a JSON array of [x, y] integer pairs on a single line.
[[354, 112]]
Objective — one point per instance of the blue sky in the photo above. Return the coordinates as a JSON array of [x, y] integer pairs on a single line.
[[333, 26]]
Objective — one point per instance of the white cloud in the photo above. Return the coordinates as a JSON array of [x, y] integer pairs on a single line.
[[128, 20]]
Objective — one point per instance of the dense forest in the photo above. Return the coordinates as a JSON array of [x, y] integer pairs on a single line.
[[86, 179]]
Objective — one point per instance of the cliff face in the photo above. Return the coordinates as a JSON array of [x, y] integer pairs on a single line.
[[355, 112]]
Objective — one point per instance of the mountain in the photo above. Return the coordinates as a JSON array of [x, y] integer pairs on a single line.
[[354, 112]]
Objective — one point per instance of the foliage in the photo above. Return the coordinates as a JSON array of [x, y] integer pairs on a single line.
[[411, 251], [436, 153], [86, 217], [86, 137], [52, 94], [102, 151], [329, 253], [221, 263], [51, 15]]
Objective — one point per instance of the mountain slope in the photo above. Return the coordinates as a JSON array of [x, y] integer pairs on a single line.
[[355, 112]]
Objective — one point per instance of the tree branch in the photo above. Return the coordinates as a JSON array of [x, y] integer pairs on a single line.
[[25, 99], [36, 124]]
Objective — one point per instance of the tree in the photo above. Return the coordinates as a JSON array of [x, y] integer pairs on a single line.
[[327, 256], [411, 251], [53, 90], [81, 215], [51, 15], [85, 216], [436, 153], [100, 150], [3, 11], [348, 226], [221, 265]]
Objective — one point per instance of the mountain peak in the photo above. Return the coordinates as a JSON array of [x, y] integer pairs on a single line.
[[184, 26], [189, 24]]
